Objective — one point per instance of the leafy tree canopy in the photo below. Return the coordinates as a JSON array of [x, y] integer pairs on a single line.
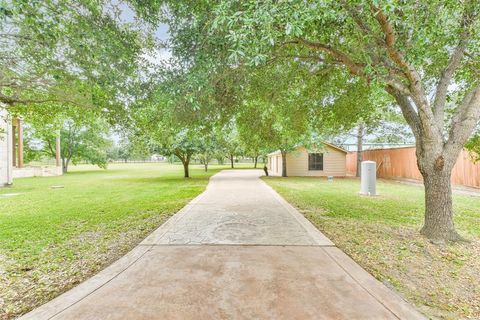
[[80, 53]]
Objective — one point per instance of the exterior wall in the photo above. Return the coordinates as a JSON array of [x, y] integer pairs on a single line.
[[334, 163], [275, 164], [5, 149], [402, 163], [27, 172]]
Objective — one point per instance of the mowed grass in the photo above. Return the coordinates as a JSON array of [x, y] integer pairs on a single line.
[[381, 234], [57, 231]]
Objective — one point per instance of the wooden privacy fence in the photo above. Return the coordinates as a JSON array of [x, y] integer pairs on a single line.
[[402, 163]]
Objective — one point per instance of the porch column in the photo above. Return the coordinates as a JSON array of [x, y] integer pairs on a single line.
[[14, 143], [58, 159], [9, 152], [20, 142]]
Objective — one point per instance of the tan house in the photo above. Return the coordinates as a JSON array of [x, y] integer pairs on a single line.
[[325, 160]]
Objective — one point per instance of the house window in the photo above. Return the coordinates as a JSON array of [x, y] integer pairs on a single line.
[[315, 161]]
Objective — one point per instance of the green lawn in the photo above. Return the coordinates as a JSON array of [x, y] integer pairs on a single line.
[[53, 238], [381, 233]]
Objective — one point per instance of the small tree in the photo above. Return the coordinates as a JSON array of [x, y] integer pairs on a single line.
[[182, 143], [83, 136], [227, 141], [207, 150], [79, 142]]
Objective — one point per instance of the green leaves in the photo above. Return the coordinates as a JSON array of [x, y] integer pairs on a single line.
[[473, 145], [83, 46]]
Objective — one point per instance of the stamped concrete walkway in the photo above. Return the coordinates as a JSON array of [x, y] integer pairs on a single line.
[[237, 251]]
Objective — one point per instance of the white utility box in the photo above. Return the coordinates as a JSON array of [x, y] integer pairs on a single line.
[[369, 178]]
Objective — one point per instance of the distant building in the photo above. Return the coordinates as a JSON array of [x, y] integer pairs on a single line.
[[11, 152], [326, 160], [6, 141], [157, 157]]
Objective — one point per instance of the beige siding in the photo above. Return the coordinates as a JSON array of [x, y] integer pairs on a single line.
[[334, 163]]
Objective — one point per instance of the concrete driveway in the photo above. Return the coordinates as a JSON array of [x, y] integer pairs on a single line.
[[237, 251]]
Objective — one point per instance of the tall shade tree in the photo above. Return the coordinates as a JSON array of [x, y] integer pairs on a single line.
[[228, 142], [251, 140], [422, 54], [162, 122], [207, 149], [75, 52]]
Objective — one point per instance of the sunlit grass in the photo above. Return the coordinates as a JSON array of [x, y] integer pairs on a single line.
[[381, 234], [57, 231]]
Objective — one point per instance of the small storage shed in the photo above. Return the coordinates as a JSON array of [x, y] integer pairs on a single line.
[[325, 160]]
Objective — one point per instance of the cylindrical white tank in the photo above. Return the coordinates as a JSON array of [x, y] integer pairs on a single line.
[[369, 178]]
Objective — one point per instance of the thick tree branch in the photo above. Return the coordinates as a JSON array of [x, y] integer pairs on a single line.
[[451, 68], [394, 54], [408, 111], [425, 113], [397, 85], [354, 67], [50, 148], [463, 123]]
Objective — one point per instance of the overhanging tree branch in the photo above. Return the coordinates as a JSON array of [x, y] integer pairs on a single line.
[[429, 126], [408, 111], [354, 67], [452, 66], [463, 122]]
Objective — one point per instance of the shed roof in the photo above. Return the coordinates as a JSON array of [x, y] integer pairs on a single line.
[[323, 142]]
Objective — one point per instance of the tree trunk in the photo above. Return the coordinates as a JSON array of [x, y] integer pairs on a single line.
[[360, 135], [284, 163], [231, 160], [438, 224], [255, 162], [65, 163], [206, 166], [186, 173]]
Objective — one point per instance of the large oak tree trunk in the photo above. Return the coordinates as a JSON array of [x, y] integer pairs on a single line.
[[438, 222], [255, 162], [231, 160], [284, 163], [436, 155]]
